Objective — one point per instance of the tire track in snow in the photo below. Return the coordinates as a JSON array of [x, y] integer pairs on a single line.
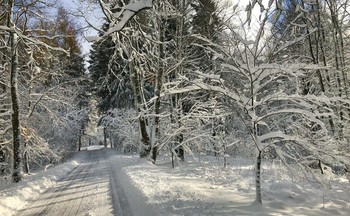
[[84, 191], [120, 202], [46, 202]]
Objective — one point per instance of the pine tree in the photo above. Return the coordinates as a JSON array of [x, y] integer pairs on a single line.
[[109, 75]]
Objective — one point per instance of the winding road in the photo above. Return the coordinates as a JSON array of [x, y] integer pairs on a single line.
[[92, 188]]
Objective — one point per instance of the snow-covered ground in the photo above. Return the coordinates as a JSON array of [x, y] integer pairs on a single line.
[[205, 188], [196, 188]]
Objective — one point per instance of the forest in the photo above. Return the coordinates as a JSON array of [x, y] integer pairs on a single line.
[[264, 79]]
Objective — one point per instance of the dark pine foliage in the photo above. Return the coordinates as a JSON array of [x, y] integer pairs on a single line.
[[109, 77]]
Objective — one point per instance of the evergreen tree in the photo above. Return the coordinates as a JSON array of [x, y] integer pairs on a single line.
[[122, 75], [108, 71]]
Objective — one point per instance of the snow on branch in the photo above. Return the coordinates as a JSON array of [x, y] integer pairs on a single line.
[[124, 14], [4, 131], [280, 136], [198, 85], [32, 40], [5, 142], [311, 116]]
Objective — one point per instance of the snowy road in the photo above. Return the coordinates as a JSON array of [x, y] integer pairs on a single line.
[[90, 189]]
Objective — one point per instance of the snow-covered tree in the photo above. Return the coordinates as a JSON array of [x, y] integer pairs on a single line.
[[35, 62], [264, 97], [314, 34]]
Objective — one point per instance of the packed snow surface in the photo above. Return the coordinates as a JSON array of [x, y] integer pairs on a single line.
[[100, 181]]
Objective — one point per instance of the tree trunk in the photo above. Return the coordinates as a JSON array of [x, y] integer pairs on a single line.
[[225, 158], [146, 142], [26, 159], [258, 198], [81, 133], [16, 128], [110, 139], [79, 141], [105, 136], [172, 155], [159, 85], [179, 55], [320, 166], [180, 152]]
